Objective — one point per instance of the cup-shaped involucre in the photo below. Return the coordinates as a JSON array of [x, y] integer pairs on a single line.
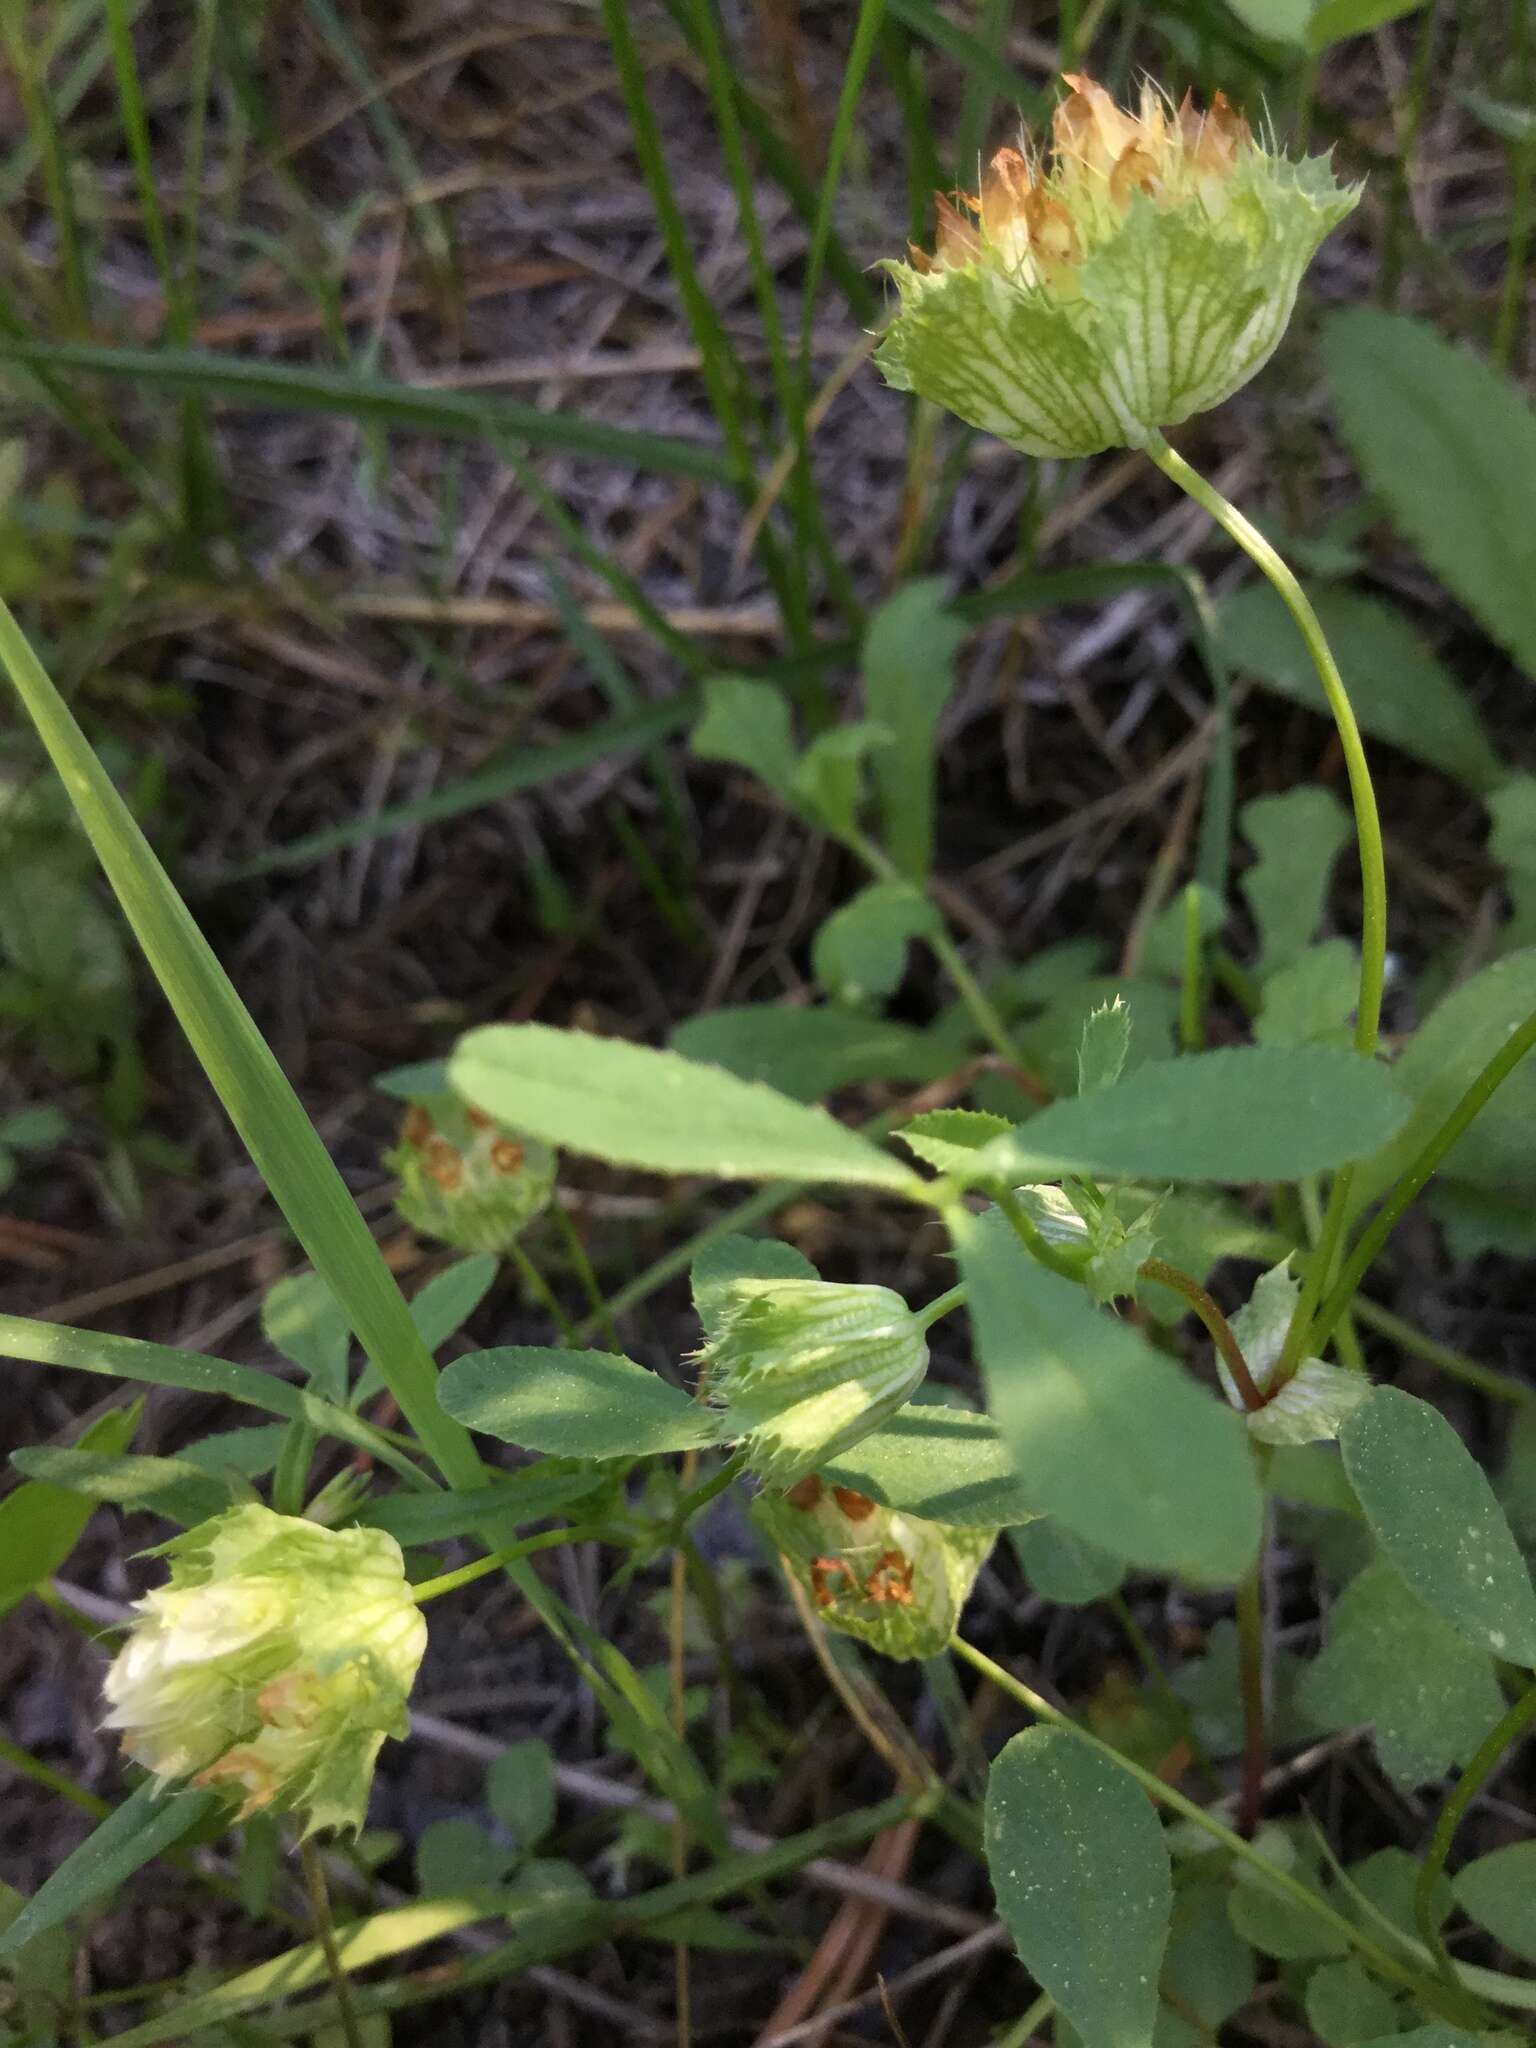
[[895, 1581], [468, 1180], [804, 1368], [271, 1665], [1138, 274]]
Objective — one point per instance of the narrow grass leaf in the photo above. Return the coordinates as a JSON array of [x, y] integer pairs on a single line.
[[160, 1365], [134, 1834], [287, 387], [636, 1106], [1082, 1878], [40, 1524], [261, 1104]]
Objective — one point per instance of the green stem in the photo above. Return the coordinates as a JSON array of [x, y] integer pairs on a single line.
[[1450, 2002], [941, 1306], [1517, 260], [983, 1012], [1192, 987], [1219, 1329], [325, 1933], [1373, 875], [1419, 1344], [1250, 1664], [478, 1568], [1358, 1264], [705, 1492], [1373, 871], [544, 1295], [1468, 1785]]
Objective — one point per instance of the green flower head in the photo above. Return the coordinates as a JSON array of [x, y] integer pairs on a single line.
[[272, 1664], [466, 1179], [805, 1368], [895, 1581], [1139, 275]]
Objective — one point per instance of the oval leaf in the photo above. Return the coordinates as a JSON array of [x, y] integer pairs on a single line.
[[1080, 1869], [1435, 1516], [575, 1404], [1246, 1113], [1105, 1431], [639, 1107], [1414, 406], [1498, 1891], [944, 1464]]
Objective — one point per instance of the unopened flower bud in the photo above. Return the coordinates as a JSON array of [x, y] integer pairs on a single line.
[[466, 1179], [895, 1581], [272, 1664], [1139, 274], [805, 1368]]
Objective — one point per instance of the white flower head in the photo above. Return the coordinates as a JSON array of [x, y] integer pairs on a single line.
[[271, 1665]]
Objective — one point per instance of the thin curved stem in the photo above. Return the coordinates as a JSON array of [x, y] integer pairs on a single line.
[[466, 1574], [1451, 2002], [1219, 1329], [1373, 873], [1358, 1264], [1468, 1785], [325, 1934], [1373, 869]]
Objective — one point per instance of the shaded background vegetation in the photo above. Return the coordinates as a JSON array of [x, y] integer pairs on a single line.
[[394, 677]]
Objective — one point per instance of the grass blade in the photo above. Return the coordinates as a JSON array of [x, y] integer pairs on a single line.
[[237, 1060], [289, 388]]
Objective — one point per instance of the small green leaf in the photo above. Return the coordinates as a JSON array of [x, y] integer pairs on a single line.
[[1498, 1891], [1273, 1922], [1209, 1969], [1102, 1049], [1346, 2006], [496, 1514], [1311, 1000], [1401, 692], [909, 675], [127, 1839], [454, 1857], [451, 1297], [520, 1786], [40, 1523], [1443, 1058], [635, 1106], [1282, 21], [1245, 1113], [748, 723], [1414, 406], [807, 1053], [301, 1318], [1103, 1429], [1075, 1849], [173, 1487], [829, 776], [944, 1464], [1297, 837], [1392, 1661], [1335, 19], [860, 951], [943, 1137], [1435, 1515], [1387, 1880], [1063, 1568], [574, 1404]]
